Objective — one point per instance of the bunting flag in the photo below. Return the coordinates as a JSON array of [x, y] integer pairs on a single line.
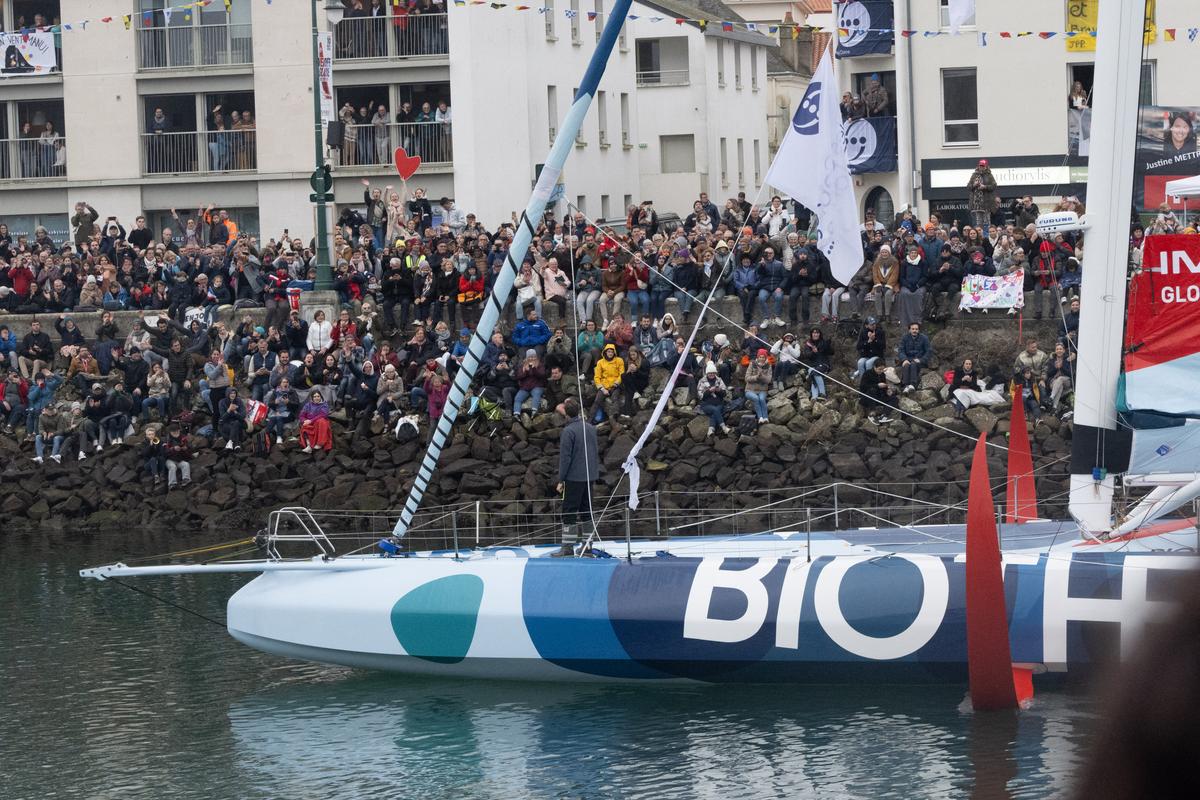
[[848, 28]]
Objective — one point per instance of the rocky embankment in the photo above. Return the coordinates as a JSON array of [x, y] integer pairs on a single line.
[[804, 444]]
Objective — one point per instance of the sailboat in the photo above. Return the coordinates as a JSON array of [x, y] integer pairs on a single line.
[[775, 606]]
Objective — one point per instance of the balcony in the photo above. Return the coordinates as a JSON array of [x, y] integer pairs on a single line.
[[399, 36], [33, 159], [190, 46], [663, 77], [199, 152], [373, 145]]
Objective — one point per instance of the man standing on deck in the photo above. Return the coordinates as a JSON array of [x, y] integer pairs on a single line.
[[578, 467]]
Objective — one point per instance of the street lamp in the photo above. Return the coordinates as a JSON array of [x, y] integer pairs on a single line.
[[322, 180]]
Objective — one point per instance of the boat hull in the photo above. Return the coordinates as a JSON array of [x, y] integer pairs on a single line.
[[837, 619]]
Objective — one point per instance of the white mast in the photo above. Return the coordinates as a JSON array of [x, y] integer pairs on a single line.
[[1096, 445]]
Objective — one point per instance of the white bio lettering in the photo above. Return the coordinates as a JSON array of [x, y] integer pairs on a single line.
[[697, 624], [934, 599]]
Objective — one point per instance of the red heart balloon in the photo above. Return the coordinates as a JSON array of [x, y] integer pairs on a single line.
[[406, 165]]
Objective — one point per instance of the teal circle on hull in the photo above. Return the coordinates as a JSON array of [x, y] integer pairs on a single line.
[[436, 621]]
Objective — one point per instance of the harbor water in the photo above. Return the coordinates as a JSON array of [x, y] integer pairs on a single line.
[[108, 693]]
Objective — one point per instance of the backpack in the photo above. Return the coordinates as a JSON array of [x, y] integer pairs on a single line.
[[261, 443], [747, 425]]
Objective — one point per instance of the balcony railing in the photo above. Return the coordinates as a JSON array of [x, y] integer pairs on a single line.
[[663, 77], [33, 158], [399, 36], [199, 152], [178, 46], [373, 145]]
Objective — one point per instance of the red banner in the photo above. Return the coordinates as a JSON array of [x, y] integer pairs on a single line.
[[1164, 303]]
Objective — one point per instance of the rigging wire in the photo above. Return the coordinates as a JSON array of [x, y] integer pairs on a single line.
[[170, 603]]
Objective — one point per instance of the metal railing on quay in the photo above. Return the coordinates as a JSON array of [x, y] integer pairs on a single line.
[[391, 36], [199, 152], [188, 45], [33, 158], [373, 145], [663, 77]]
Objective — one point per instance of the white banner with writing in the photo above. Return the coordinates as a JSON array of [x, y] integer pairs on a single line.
[[1001, 291], [325, 70], [28, 53]]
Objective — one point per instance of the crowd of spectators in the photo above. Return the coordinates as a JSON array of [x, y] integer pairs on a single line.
[[411, 278]]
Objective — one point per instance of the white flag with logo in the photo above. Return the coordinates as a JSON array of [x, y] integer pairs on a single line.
[[961, 12], [811, 166]]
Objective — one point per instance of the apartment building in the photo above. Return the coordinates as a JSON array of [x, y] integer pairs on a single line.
[[216, 106]]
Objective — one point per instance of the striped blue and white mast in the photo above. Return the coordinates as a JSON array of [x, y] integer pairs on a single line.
[[564, 142]]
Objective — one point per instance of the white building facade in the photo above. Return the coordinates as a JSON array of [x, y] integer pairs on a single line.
[[680, 110], [958, 102]]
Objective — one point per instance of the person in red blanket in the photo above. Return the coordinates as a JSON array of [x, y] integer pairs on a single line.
[[314, 424], [342, 329]]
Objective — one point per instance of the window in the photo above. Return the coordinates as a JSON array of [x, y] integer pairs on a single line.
[[599, 9], [662, 62], [880, 201], [960, 107], [622, 40], [604, 207], [741, 163], [720, 62], [724, 162], [1146, 94], [628, 201], [754, 69], [552, 110], [678, 153], [602, 115], [944, 15], [216, 36], [863, 85], [550, 16], [575, 22], [198, 133], [626, 136], [580, 141], [757, 165], [581, 204], [22, 151], [737, 65]]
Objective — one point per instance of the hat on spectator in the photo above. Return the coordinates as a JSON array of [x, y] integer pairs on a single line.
[[722, 244], [77, 406], [260, 330], [872, 321], [721, 340], [710, 369], [90, 279], [762, 351], [983, 162], [96, 386], [789, 335], [465, 332]]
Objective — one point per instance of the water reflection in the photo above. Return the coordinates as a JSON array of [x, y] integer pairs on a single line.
[[105, 693], [525, 740]]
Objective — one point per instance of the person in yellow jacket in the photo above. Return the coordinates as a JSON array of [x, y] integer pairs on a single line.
[[607, 376]]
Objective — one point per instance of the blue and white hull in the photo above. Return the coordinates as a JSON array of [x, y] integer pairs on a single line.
[[737, 609]]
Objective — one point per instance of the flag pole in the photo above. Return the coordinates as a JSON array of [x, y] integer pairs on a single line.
[[564, 142]]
